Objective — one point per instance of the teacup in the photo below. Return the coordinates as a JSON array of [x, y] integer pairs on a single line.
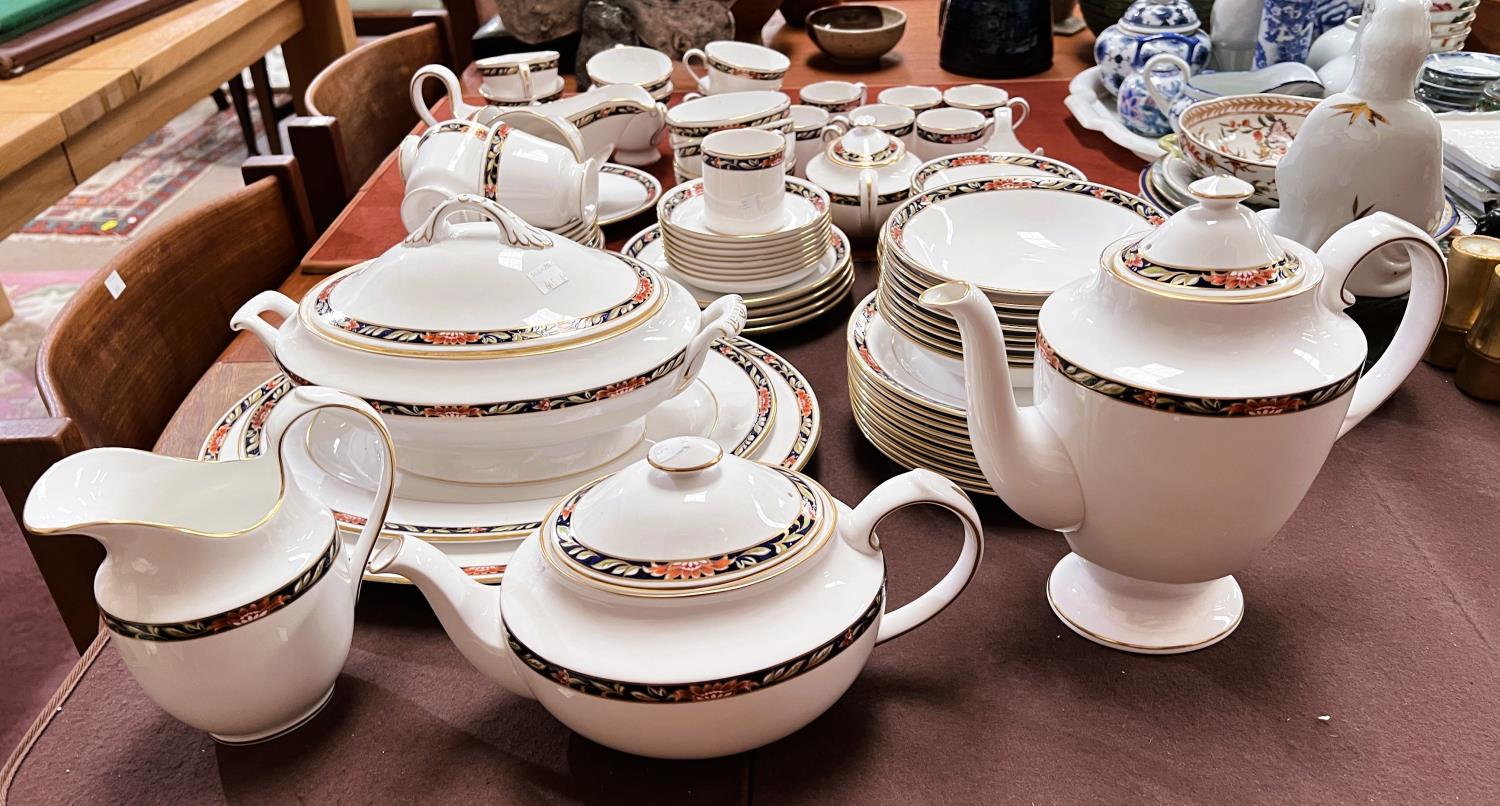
[[897, 121], [736, 67], [834, 96], [948, 131], [691, 121], [651, 70], [985, 99], [808, 125], [519, 76], [544, 182], [744, 181], [917, 99]]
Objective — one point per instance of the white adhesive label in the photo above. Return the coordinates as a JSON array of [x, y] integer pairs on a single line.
[[115, 284], [547, 277]]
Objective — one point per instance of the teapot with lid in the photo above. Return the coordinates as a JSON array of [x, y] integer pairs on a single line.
[[1186, 396], [1147, 28], [494, 351], [692, 605], [867, 174]]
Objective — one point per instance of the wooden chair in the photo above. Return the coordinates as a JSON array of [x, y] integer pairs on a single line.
[[135, 339], [359, 109], [463, 21]]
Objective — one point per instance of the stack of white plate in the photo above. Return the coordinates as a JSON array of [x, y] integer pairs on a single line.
[[745, 264], [587, 234], [1017, 239], [773, 310]]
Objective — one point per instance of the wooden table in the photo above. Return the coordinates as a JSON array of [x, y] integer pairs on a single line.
[[63, 122]]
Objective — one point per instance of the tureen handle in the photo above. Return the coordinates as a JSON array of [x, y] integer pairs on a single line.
[[512, 227], [907, 489], [1429, 290], [722, 319], [305, 400]]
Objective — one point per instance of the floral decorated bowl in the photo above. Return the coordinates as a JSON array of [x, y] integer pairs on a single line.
[[1244, 136], [496, 352]]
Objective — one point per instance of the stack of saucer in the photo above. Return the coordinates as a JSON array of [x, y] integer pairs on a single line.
[[768, 311], [589, 234], [745, 264], [1455, 82]]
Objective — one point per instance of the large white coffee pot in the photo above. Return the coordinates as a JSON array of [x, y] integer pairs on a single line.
[[1187, 393]]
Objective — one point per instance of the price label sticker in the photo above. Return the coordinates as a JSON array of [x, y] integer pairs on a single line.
[[547, 277], [114, 284]]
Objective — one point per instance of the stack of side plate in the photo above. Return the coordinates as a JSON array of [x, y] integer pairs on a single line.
[[778, 308], [1017, 239], [745, 264], [910, 405], [589, 234]]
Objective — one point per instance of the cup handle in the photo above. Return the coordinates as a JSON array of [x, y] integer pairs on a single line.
[[907, 489], [1162, 102], [1429, 290], [1020, 110], [687, 63], [836, 127], [450, 83], [305, 400], [864, 95]]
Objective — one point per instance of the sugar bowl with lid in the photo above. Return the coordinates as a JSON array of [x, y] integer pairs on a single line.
[[866, 172], [496, 352], [692, 605]]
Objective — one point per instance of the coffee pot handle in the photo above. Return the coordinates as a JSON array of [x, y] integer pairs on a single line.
[[305, 400], [1342, 252], [513, 228], [1020, 110], [450, 82], [908, 489]]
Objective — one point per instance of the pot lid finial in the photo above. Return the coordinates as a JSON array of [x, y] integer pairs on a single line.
[[1215, 249], [865, 146]]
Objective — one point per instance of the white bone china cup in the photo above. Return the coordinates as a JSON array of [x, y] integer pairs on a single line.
[[519, 76], [735, 67], [941, 132], [744, 181]]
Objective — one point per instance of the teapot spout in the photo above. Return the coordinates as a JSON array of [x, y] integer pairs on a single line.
[[469, 611], [1021, 456]]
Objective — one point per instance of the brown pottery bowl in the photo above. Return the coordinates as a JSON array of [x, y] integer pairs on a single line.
[[858, 33]]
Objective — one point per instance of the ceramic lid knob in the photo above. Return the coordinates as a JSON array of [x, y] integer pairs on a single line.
[[684, 454], [1221, 192], [865, 146]]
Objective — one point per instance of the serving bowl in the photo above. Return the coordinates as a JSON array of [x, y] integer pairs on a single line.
[[1244, 136], [857, 33], [496, 352]]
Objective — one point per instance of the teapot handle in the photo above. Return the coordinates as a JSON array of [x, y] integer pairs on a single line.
[[1020, 110], [1162, 102], [907, 489], [450, 82], [1429, 290], [722, 319], [515, 230], [305, 400], [869, 200]]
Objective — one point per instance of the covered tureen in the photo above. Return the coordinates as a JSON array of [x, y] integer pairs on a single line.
[[495, 351], [867, 173], [694, 604]]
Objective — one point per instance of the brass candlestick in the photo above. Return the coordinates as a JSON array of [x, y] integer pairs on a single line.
[[1471, 263], [1479, 368]]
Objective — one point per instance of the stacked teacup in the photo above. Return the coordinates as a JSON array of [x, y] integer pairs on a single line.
[[520, 79], [745, 226], [690, 122]]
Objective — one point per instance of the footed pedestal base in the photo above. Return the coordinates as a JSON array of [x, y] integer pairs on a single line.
[[274, 733], [1134, 615]]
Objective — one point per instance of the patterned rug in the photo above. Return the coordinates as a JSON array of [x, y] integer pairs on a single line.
[[37, 296], [119, 200]]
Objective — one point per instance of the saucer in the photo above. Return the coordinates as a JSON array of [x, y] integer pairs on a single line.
[[625, 192], [682, 210], [548, 95], [762, 408]]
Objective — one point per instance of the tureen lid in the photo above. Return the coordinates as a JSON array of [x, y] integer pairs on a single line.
[[865, 146], [687, 519], [1160, 15], [1215, 249], [477, 281]]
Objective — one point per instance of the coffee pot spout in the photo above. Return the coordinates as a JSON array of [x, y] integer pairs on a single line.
[[1021, 456], [468, 610]]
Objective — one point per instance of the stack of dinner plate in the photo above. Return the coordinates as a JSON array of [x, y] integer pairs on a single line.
[[1017, 239], [768, 311], [746, 264]]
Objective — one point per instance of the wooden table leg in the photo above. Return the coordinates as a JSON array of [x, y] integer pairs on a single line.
[[327, 33], [267, 103]]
